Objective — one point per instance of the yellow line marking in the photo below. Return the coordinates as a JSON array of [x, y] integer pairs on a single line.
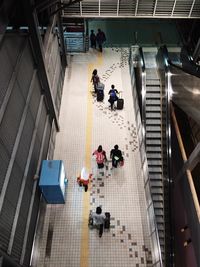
[[84, 257]]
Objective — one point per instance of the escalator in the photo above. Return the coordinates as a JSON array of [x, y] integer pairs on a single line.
[[154, 140], [160, 79]]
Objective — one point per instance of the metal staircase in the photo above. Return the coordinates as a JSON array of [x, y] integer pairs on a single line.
[[155, 141]]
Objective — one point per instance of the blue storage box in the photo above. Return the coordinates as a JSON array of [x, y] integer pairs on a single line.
[[53, 181]]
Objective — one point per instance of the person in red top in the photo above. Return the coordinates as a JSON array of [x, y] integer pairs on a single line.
[[84, 178], [100, 157]]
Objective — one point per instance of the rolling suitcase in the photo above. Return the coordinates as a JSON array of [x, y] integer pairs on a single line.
[[100, 95], [107, 220], [100, 86], [120, 102]]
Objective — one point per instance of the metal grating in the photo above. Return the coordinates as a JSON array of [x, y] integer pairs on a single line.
[[134, 8], [164, 8], [196, 9], [183, 8], [127, 7], [90, 7]]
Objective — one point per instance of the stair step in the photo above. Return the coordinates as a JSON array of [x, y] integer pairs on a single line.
[[153, 122], [157, 163], [153, 142], [153, 102], [150, 95], [154, 156], [153, 115], [158, 205], [155, 169], [153, 149], [160, 226], [153, 108], [159, 212], [155, 176], [153, 87], [162, 241], [152, 128], [152, 82], [161, 234], [157, 198], [152, 135], [157, 190], [156, 183]]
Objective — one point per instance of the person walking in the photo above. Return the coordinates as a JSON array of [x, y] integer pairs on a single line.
[[83, 178], [100, 157], [99, 219], [113, 96], [100, 38], [92, 39], [95, 79], [116, 156]]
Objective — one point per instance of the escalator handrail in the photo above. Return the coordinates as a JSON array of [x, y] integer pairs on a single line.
[[165, 60]]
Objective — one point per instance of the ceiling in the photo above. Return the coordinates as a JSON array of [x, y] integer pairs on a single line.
[[133, 8]]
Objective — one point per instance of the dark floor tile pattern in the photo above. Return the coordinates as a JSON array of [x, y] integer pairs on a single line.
[[125, 237], [118, 119], [123, 61]]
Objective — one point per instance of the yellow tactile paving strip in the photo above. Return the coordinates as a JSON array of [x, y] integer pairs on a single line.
[[88, 152]]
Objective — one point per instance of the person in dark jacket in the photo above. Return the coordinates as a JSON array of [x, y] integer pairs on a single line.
[[113, 96], [116, 156], [92, 39], [100, 38]]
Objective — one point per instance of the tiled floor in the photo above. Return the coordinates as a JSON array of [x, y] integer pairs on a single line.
[[66, 240]]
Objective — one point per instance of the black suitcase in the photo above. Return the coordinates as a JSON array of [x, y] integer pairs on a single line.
[[120, 103], [100, 95], [107, 220]]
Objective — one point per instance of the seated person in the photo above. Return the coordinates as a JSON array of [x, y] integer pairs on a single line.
[[116, 156], [113, 96], [99, 219], [83, 179]]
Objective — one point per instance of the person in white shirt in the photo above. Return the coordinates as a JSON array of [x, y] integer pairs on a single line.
[[99, 219]]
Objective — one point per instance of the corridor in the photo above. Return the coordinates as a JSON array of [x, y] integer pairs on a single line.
[[64, 239]]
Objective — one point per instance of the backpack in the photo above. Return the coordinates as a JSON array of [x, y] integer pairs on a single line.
[[113, 94], [100, 157]]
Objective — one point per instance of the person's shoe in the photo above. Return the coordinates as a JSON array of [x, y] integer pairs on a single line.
[[100, 235]]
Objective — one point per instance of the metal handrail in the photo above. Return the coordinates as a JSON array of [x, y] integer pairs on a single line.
[[164, 60]]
